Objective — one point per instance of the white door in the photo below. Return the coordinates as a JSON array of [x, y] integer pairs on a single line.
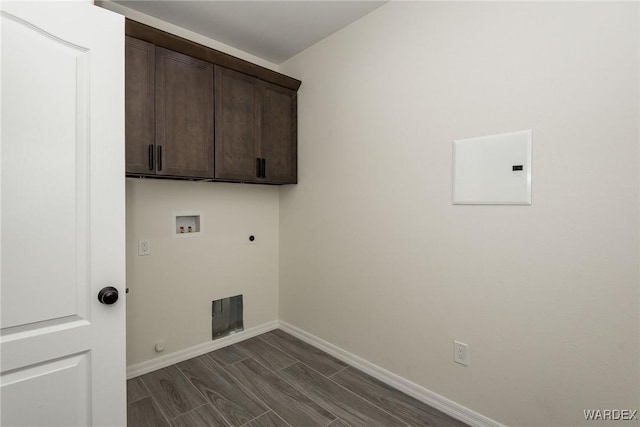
[[62, 352]]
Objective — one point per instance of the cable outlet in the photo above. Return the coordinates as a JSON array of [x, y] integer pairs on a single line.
[[461, 353], [144, 248]]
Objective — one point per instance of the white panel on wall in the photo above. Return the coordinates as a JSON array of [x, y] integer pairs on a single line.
[[493, 170]]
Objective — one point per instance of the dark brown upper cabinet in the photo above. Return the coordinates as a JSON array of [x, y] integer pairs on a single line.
[[140, 75], [184, 115], [173, 129], [256, 129]]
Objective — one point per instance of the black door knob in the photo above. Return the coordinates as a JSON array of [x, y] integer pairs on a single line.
[[108, 295]]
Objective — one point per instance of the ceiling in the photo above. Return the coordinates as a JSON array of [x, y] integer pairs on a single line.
[[271, 30]]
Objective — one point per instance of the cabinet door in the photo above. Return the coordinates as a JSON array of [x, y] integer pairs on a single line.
[[279, 137], [184, 115], [237, 125], [139, 105]]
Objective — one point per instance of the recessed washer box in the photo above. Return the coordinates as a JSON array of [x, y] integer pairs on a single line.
[[187, 224], [493, 170]]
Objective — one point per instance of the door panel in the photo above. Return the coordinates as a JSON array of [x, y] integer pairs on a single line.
[[62, 215], [140, 106], [237, 123], [34, 204], [184, 115], [279, 134], [43, 380]]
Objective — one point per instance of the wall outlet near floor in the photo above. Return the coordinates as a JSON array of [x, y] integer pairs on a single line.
[[461, 353], [144, 247]]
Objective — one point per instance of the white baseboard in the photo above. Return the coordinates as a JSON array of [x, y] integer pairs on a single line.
[[416, 391], [197, 350]]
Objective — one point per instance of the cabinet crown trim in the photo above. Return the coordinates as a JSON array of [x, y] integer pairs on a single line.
[[188, 47]]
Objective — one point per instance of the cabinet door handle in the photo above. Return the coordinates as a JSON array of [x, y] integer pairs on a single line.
[[264, 168], [159, 157], [150, 157], [258, 168]]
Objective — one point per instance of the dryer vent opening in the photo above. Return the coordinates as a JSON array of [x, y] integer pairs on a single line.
[[226, 316]]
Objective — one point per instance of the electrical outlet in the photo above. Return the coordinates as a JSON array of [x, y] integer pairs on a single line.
[[461, 353], [144, 247]]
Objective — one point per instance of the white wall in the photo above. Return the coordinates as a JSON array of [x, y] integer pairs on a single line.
[[374, 257], [170, 291]]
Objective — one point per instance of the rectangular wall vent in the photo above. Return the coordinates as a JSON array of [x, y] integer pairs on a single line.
[[226, 316]]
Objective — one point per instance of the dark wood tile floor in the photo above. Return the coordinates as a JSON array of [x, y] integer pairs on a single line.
[[271, 380]]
